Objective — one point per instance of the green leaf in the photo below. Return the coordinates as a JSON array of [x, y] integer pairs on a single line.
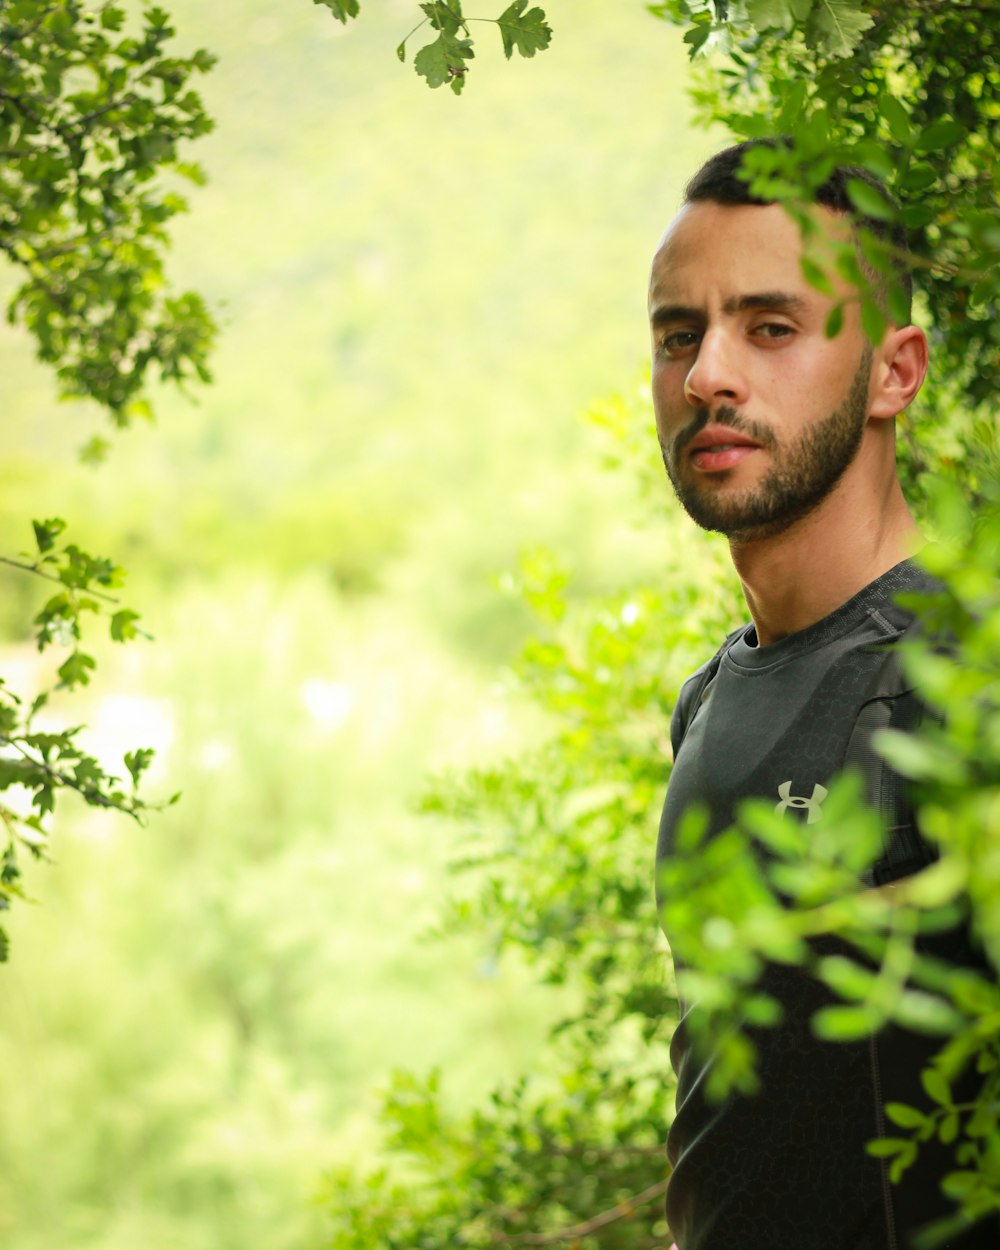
[[123, 625], [942, 134], [867, 200], [925, 1013], [112, 17], [959, 1185], [137, 762], [872, 320], [906, 1117], [770, 14], [936, 1086], [444, 15], [836, 26], [95, 450], [919, 759], [885, 1147], [341, 9], [13, 772], [897, 119], [443, 61], [835, 321], [527, 32], [845, 1024], [816, 276], [845, 976], [76, 670], [762, 1011], [46, 533], [985, 290], [902, 1161], [698, 36], [914, 216], [791, 108], [899, 305]]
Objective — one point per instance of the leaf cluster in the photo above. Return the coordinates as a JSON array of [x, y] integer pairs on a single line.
[[91, 118], [38, 762], [445, 60], [580, 1163]]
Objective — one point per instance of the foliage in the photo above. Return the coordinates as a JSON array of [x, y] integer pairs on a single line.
[[556, 866], [908, 91], [446, 58], [90, 116], [43, 761], [520, 1170]]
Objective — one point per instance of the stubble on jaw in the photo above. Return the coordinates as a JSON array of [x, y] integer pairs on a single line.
[[802, 476]]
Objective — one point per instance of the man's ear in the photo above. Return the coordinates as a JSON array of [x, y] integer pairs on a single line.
[[898, 369]]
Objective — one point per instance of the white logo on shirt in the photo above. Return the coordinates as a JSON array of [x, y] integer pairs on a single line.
[[812, 804]]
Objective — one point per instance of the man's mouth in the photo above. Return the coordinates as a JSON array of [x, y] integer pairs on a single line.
[[717, 448]]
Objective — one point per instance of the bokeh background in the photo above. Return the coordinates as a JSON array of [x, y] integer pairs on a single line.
[[421, 298]]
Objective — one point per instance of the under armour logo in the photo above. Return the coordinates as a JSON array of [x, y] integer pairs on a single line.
[[811, 804]]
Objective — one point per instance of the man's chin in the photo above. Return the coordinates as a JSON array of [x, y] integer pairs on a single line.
[[740, 520]]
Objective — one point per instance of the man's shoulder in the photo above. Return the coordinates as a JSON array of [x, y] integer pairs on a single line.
[[694, 687]]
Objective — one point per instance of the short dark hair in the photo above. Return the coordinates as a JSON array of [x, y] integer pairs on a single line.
[[719, 181]]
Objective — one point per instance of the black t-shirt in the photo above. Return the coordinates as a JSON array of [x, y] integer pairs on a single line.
[[787, 1169]]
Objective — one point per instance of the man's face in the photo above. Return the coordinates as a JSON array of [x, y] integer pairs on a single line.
[[758, 413]]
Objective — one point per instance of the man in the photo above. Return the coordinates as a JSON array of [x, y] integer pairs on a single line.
[[783, 439]]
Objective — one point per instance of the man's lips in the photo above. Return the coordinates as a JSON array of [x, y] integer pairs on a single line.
[[718, 447]]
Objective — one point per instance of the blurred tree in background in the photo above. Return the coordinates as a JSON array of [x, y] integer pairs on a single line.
[[560, 840]]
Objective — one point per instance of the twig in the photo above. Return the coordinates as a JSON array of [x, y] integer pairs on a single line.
[[51, 577], [622, 1211], [91, 794]]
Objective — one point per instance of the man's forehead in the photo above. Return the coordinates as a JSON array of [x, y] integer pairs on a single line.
[[727, 238], [670, 228]]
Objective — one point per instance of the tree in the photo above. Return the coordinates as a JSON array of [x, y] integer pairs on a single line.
[[559, 839], [92, 114]]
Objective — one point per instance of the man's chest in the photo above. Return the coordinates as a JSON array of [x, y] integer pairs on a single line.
[[777, 735]]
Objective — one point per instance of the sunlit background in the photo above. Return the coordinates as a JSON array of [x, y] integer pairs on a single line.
[[421, 296]]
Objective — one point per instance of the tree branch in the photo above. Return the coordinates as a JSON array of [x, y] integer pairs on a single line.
[[91, 794], [51, 577], [622, 1211]]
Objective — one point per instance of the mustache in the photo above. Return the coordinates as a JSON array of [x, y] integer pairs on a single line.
[[760, 434]]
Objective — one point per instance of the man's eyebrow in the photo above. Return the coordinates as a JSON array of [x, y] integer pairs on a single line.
[[776, 301], [668, 314]]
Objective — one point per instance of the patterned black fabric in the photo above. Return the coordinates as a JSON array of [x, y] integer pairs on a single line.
[[786, 1169]]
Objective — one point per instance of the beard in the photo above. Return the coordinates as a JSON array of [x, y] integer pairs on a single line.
[[802, 476]]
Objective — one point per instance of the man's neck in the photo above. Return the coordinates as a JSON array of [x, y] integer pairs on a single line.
[[795, 578]]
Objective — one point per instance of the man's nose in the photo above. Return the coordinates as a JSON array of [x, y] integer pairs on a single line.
[[716, 375]]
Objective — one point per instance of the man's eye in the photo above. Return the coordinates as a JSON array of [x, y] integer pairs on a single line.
[[773, 330], [678, 341]]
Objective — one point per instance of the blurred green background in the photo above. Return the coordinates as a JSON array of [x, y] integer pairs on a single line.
[[420, 296]]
